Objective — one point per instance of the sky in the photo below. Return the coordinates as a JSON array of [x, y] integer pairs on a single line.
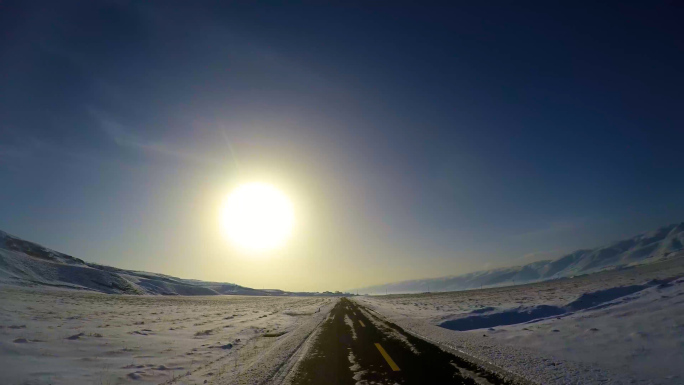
[[414, 142]]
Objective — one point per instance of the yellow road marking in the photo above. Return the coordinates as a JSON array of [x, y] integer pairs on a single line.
[[361, 322], [387, 358]]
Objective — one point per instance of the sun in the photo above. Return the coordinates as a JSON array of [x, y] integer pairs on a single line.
[[257, 217]]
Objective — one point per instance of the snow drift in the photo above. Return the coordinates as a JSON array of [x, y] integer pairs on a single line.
[[490, 317]]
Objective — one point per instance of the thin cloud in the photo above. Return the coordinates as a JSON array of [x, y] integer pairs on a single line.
[[17, 147], [125, 138], [541, 255], [552, 229]]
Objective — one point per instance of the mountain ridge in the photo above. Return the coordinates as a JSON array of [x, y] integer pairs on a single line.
[[642, 248], [27, 263]]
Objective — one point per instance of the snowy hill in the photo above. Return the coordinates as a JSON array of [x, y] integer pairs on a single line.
[[29, 264], [665, 242]]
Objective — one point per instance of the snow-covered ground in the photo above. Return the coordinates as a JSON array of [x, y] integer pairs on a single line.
[[623, 326], [58, 336]]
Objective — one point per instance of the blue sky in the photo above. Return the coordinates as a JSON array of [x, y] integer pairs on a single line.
[[415, 141]]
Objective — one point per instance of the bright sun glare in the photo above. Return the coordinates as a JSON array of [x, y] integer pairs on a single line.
[[257, 217]]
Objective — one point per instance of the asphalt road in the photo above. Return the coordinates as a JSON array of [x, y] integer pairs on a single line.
[[355, 346]]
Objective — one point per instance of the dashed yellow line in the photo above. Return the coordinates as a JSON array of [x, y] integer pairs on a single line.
[[361, 322], [387, 358]]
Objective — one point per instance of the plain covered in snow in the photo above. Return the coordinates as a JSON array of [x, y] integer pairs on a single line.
[[58, 336], [613, 327]]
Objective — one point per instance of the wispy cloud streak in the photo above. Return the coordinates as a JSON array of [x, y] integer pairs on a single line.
[[126, 138]]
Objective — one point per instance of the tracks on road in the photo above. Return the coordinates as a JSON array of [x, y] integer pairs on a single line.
[[354, 346]]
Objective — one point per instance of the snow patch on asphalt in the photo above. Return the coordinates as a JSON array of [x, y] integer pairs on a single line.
[[390, 331], [356, 369], [350, 323]]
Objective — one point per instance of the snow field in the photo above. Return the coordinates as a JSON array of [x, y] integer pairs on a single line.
[[618, 327], [55, 336]]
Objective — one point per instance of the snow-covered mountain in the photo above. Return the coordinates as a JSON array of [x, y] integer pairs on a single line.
[[30, 264], [665, 242]]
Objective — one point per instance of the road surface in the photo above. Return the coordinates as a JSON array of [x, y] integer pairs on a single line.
[[355, 346]]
